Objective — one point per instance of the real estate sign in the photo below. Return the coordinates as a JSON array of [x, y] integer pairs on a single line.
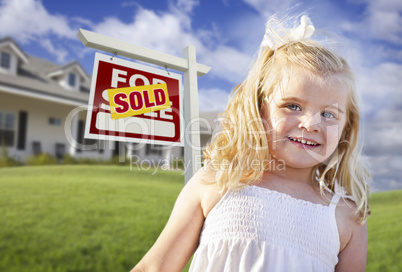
[[134, 103]]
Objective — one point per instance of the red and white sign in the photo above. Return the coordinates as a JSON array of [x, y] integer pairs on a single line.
[[156, 127]]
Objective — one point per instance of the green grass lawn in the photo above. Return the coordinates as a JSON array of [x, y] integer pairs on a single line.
[[385, 232], [81, 218], [104, 218]]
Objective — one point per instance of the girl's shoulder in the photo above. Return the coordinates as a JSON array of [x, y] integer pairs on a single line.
[[205, 188], [353, 237], [346, 221]]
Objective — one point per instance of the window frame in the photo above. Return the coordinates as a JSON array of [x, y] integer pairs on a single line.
[[72, 78], [84, 141], [5, 60], [54, 121], [154, 149], [9, 139]]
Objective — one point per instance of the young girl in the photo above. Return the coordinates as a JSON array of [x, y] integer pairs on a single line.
[[283, 188]]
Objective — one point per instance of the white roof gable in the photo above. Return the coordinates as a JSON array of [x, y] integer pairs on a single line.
[[8, 42], [71, 66]]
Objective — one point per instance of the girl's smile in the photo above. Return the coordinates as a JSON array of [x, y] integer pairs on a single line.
[[304, 142], [306, 120]]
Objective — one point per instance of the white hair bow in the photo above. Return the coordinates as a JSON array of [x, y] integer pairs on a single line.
[[275, 39]]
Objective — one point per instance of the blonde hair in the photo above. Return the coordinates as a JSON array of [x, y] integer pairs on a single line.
[[242, 137]]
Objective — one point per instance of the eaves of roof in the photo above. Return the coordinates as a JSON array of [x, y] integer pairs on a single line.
[[49, 88], [20, 53], [78, 66]]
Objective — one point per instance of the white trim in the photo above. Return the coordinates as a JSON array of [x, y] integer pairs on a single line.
[[39, 96], [82, 72], [56, 73], [5, 54], [64, 70], [14, 113], [5, 112], [19, 53]]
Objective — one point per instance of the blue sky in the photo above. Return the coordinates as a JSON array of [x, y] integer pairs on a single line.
[[227, 34]]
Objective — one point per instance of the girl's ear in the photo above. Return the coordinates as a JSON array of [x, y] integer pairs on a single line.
[[264, 107], [264, 113], [345, 134]]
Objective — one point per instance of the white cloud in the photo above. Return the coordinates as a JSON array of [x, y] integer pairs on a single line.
[[163, 32], [212, 99], [385, 25], [83, 22], [60, 53], [171, 31], [389, 132], [385, 171], [187, 6], [270, 7], [380, 87], [28, 19], [382, 20], [129, 4], [385, 20], [382, 104], [227, 63]]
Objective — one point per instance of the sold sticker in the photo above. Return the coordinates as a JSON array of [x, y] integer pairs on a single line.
[[129, 101]]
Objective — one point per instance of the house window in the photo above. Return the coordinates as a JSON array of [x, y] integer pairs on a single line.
[[84, 141], [7, 130], [153, 150], [54, 121], [72, 79], [5, 61]]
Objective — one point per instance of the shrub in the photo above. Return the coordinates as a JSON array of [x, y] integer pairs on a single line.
[[115, 161], [177, 164], [68, 159], [5, 160], [41, 159], [89, 161]]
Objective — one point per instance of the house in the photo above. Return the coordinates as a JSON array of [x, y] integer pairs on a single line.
[[42, 109]]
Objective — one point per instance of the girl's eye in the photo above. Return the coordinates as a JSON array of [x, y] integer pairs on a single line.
[[293, 107], [327, 114]]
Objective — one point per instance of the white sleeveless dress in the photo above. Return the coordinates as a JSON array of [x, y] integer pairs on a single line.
[[256, 229]]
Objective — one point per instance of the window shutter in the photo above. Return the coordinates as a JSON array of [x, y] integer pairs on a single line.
[[22, 130], [80, 133]]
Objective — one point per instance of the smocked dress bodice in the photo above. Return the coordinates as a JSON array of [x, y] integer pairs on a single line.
[[256, 229]]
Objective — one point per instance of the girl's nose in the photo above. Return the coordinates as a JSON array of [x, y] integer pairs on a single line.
[[310, 122]]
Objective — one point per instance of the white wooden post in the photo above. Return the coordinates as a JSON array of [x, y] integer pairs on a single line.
[[190, 68], [192, 152], [74, 131]]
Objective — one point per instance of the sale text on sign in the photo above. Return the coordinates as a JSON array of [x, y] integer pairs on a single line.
[[131, 102]]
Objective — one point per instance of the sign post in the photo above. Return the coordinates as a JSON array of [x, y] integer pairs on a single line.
[[190, 68], [192, 158]]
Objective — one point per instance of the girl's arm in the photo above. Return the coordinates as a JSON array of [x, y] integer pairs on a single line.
[[353, 256], [179, 239]]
